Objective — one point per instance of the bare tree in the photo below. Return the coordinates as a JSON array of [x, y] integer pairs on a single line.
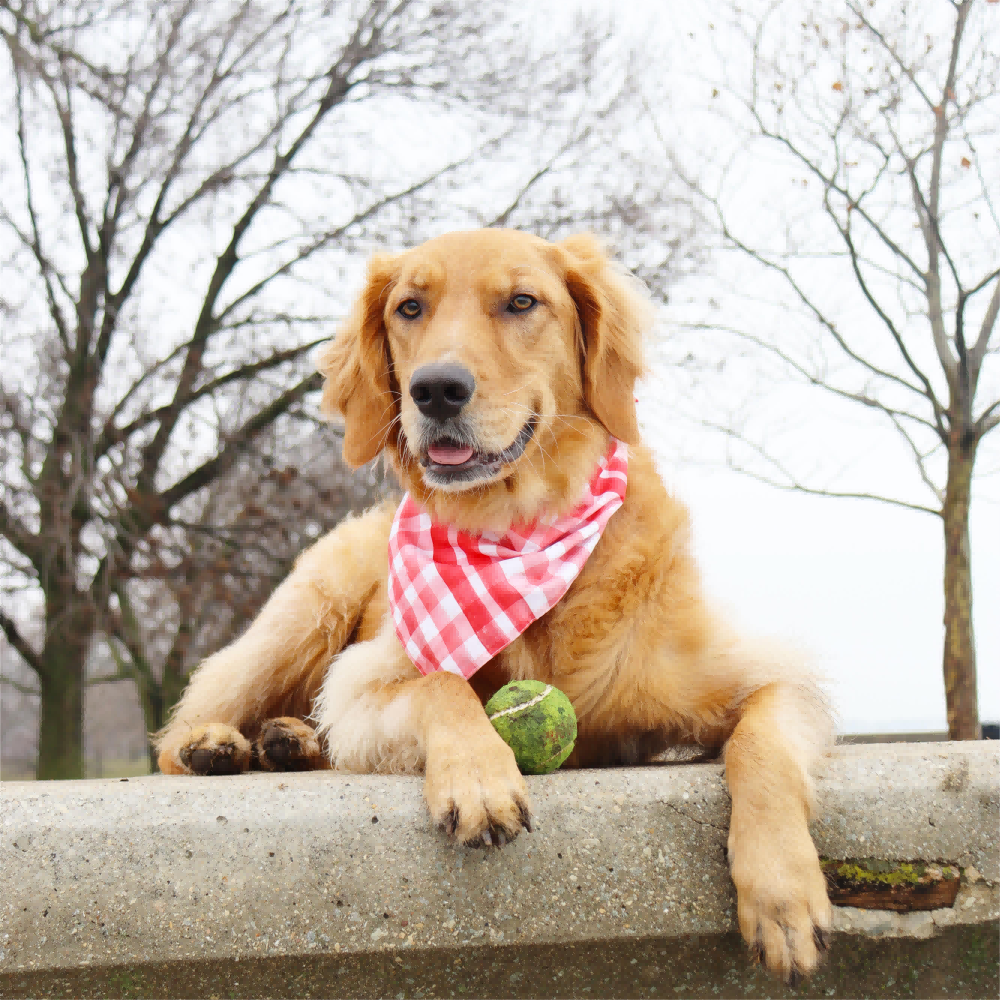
[[185, 187], [211, 569], [871, 128]]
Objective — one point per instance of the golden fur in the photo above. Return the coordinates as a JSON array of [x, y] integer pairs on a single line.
[[644, 661]]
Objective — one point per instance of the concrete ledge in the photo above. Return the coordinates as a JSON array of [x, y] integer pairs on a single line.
[[119, 873]]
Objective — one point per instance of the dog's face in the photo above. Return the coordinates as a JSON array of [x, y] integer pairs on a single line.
[[481, 334], [473, 355]]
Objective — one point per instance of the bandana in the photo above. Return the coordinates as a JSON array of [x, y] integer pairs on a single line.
[[458, 599]]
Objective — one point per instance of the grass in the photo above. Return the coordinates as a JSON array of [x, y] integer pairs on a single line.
[[24, 770]]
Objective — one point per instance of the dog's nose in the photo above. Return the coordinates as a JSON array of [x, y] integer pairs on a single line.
[[440, 390]]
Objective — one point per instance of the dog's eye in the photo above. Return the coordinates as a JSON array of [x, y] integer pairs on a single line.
[[521, 303], [409, 309]]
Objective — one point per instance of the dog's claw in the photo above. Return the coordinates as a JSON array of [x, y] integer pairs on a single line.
[[451, 821], [524, 816], [794, 979], [821, 939]]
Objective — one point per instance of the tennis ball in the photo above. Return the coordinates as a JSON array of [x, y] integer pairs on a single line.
[[536, 721]]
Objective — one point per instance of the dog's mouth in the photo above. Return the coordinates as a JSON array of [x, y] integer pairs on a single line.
[[447, 461]]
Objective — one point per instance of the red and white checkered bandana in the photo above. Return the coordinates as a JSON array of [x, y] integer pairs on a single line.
[[458, 599]]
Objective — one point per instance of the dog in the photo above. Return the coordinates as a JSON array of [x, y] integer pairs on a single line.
[[495, 371]]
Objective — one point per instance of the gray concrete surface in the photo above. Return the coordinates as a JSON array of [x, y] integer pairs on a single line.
[[147, 870], [960, 962]]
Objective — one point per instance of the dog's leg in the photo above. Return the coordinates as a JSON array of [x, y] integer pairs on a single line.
[[784, 913], [276, 667], [377, 713]]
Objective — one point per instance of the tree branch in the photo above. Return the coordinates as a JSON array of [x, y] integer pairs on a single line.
[[128, 633], [907, 70], [830, 183], [124, 672], [504, 217], [238, 442], [337, 233], [111, 435], [811, 306], [64, 113], [891, 327], [920, 458], [17, 686], [978, 351], [791, 484], [812, 379], [156, 225], [959, 370], [988, 419], [35, 242], [337, 89], [14, 637]]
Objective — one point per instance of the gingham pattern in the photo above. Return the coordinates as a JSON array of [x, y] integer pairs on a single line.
[[458, 599]]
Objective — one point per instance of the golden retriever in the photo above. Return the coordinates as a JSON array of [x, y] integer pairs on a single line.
[[492, 368]]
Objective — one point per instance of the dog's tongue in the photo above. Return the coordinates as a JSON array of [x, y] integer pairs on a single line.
[[449, 454]]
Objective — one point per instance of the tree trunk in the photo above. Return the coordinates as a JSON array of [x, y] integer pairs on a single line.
[[959, 641], [158, 699], [61, 682], [153, 715], [60, 738]]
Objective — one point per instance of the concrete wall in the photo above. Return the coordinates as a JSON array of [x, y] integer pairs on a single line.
[[130, 872]]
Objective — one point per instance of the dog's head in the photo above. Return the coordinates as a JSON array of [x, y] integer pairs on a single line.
[[480, 358]]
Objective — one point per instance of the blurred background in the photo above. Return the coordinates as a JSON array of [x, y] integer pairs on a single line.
[[190, 191]]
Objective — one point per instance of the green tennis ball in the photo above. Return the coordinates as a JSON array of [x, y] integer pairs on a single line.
[[536, 721]]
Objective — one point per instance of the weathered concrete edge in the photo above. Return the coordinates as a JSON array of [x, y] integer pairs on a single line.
[[159, 869]]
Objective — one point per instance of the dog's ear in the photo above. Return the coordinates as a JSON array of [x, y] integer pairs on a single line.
[[357, 368], [614, 313]]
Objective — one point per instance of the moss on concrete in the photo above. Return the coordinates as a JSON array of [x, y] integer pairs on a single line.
[[874, 873]]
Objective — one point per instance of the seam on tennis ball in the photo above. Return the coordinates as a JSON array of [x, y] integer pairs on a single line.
[[524, 704]]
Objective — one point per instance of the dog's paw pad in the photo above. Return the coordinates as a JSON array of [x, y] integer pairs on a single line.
[[286, 744], [215, 749]]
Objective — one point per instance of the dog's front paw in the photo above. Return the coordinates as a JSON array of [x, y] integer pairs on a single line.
[[214, 749], [475, 791], [784, 912], [286, 744]]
